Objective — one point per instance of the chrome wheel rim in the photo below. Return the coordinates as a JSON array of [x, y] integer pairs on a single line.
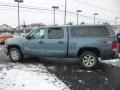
[[14, 55], [89, 60]]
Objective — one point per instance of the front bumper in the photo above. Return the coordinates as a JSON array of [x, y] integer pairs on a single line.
[[2, 42], [6, 50]]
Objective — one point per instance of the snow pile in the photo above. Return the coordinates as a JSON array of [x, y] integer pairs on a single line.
[[29, 77], [1, 47], [114, 62]]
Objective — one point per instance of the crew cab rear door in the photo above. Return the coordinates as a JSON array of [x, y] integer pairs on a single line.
[[56, 42]]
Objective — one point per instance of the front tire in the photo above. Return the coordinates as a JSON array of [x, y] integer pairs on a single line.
[[15, 55], [88, 60]]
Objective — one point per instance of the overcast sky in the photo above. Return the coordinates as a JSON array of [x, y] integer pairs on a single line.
[[107, 9]]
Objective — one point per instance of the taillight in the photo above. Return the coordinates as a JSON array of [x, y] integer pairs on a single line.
[[115, 45]]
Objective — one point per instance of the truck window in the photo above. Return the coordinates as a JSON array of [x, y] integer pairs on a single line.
[[55, 33], [98, 31], [38, 34]]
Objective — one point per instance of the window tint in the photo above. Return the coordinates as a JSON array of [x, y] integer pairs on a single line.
[[90, 31], [55, 33], [37, 34]]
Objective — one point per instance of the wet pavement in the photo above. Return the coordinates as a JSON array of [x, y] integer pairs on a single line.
[[103, 77]]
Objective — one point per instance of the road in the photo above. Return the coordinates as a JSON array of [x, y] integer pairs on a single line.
[[104, 77]]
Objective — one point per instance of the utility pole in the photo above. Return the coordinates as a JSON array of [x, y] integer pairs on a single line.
[[78, 15], [19, 1], [116, 22], [65, 12], [95, 17], [54, 9]]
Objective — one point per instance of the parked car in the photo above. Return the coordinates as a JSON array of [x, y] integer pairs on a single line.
[[89, 43], [4, 37]]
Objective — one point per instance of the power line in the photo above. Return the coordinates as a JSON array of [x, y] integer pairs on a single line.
[[52, 10], [25, 7], [91, 5], [70, 12], [26, 10], [46, 9]]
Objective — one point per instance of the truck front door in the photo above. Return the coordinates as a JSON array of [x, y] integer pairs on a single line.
[[35, 44]]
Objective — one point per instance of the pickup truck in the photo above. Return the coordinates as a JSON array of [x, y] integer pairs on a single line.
[[89, 43]]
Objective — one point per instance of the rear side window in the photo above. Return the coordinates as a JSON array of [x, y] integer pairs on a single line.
[[100, 31], [55, 33]]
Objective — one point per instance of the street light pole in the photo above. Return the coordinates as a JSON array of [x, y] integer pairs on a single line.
[[65, 12], [78, 15], [19, 1], [18, 19], [54, 8], [95, 17]]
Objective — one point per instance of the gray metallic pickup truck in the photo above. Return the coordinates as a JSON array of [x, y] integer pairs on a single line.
[[86, 42]]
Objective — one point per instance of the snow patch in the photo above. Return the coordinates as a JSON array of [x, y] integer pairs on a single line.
[[80, 71], [114, 62], [88, 71], [84, 71], [29, 77], [1, 48], [51, 68], [81, 81]]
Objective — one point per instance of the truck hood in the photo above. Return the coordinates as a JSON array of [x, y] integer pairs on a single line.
[[16, 40]]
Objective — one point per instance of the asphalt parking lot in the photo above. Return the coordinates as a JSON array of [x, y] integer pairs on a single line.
[[105, 77]]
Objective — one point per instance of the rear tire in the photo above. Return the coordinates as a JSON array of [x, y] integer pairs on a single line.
[[88, 60], [15, 55]]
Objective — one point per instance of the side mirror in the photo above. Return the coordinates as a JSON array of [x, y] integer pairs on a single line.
[[28, 37]]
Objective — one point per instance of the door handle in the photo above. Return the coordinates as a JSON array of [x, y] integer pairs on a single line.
[[41, 42], [61, 42]]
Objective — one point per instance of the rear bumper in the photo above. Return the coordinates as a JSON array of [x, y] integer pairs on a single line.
[[115, 55], [110, 55]]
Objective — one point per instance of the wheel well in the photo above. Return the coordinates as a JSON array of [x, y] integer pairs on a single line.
[[13, 46], [94, 50]]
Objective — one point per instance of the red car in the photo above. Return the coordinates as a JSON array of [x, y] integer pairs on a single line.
[[4, 37]]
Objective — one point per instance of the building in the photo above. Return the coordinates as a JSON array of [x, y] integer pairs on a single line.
[[6, 29], [29, 27]]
